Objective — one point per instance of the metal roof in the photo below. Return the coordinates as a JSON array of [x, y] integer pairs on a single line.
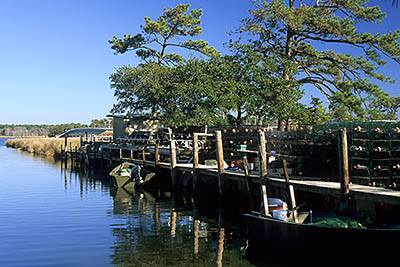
[[144, 117]]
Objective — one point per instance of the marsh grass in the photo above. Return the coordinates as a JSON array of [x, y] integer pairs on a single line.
[[49, 147]]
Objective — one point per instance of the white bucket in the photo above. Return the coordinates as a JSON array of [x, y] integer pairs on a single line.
[[251, 166]]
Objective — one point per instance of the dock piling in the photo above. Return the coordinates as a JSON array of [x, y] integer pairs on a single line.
[[220, 161], [173, 163], [195, 160], [290, 190], [262, 157], [156, 157], [343, 170]]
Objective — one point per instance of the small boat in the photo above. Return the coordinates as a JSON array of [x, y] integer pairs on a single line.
[[308, 236], [129, 174]]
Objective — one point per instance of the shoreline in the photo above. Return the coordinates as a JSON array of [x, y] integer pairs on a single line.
[[45, 146], [28, 136]]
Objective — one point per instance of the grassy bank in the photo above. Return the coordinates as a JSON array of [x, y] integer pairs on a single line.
[[50, 147]]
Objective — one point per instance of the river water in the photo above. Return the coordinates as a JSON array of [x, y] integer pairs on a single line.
[[52, 216]]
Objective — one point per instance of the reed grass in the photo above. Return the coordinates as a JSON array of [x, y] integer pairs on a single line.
[[50, 147]]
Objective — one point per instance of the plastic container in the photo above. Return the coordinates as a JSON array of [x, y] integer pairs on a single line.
[[280, 214]]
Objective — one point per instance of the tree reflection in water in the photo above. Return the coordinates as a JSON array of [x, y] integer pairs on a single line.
[[153, 232]]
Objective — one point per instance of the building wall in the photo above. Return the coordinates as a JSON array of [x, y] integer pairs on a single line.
[[123, 127]]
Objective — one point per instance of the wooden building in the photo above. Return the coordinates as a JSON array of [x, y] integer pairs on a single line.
[[125, 125]]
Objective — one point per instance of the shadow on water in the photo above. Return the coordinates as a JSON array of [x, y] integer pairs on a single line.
[[159, 229]]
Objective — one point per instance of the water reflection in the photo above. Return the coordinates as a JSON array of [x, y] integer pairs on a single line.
[[155, 233], [130, 227], [150, 230]]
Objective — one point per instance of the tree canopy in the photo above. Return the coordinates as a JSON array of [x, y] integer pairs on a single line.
[[151, 45], [294, 31], [282, 46]]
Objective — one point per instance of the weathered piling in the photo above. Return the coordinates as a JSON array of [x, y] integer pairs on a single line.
[[290, 191], [195, 160], [262, 156], [344, 170], [173, 163], [220, 162], [157, 157]]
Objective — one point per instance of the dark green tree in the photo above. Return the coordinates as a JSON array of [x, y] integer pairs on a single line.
[[307, 34], [174, 29], [267, 95], [316, 113]]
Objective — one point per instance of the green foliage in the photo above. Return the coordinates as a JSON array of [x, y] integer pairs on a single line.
[[263, 77], [266, 93], [184, 93], [139, 89], [316, 113], [102, 123], [292, 29], [158, 35], [171, 30]]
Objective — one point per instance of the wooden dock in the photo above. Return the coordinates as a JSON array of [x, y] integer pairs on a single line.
[[150, 156]]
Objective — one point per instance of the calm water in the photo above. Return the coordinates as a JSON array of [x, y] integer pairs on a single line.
[[51, 216]]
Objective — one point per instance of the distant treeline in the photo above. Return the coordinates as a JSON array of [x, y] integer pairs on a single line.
[[48, 130]]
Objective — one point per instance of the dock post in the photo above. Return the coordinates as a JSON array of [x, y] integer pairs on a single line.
[[102, 158], [195, 160], [131, 155], [144, 157], [262, 157], [156, 157], [220, 162], [343, 171], [65, 146], [173, 163], [120, 153], [247, 184], [290, 190]]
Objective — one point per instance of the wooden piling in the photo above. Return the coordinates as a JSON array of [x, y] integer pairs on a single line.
[[247, 184], [290, 190], [220, 161], [120, 154], [156, 157], [262, 158], [173, 163], [102, 158], [262, 149], [144, 157], [65, 145], [195, 160], [343, 170]]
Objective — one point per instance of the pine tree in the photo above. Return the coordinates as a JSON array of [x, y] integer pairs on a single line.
[[307, 36]]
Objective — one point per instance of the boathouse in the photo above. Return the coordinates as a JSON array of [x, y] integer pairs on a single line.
[[125, 125]]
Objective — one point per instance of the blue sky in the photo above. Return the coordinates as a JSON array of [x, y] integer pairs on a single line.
[[55, 59]]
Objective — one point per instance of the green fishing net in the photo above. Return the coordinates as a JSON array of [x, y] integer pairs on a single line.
[[338, 221]]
